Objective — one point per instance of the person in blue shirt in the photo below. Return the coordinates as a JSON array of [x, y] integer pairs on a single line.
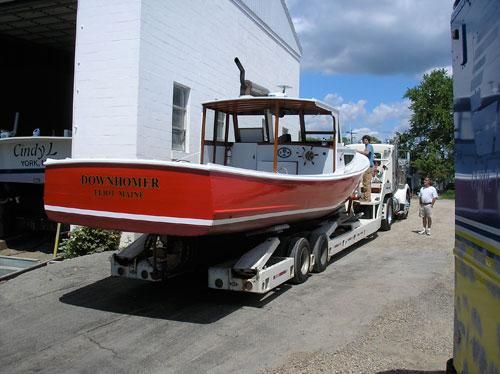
[[367, 176]]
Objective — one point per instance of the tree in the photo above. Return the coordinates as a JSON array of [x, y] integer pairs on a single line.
[[430, 137]]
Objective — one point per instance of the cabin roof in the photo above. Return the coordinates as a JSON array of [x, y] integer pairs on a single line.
[[258, 105]]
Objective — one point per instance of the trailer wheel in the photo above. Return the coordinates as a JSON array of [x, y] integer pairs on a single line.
[[319, 243], [300, 251], [389, 216]]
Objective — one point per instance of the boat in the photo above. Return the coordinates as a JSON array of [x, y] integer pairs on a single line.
[[248, 177], [250, 183], [22, 177]]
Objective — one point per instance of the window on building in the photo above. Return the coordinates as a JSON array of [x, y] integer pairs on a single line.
[[179, 110]]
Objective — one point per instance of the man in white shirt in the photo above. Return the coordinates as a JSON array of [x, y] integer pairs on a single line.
[[427, 196]]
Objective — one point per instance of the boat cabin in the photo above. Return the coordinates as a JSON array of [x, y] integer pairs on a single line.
[[256, 133]]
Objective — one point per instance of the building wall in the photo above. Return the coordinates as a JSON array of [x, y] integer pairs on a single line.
[[129, 54], [106, 79]]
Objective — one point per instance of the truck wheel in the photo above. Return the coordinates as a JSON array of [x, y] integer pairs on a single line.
[[300, 251], [387, 221], [319, 243]]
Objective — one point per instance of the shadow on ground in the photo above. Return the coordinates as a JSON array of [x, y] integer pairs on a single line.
[[185, 299], [42, 241]]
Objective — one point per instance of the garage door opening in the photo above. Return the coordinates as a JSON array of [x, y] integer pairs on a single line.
[[36, 65], [37, 39]]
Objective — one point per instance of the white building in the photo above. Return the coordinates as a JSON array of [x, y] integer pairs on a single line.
[[127, 77], [129, 58], [143, 68]]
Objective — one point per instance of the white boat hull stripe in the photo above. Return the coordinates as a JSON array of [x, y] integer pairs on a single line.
[[179, 220]]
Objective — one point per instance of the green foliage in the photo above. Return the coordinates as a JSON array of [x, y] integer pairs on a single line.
[[448, 195], [430, 137], [374, 140], [87, 240]]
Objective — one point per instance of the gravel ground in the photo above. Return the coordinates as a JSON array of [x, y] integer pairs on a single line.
[[412, 335]]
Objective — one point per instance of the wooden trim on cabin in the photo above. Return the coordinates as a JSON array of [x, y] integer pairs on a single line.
[[276, 131], [203, 121]]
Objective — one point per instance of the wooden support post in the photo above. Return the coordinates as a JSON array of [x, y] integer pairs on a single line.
[[56, 243]]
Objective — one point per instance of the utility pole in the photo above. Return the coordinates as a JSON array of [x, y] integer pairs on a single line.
[[351, 132]]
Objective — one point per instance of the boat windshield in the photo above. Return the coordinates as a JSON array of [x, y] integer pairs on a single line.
[[254, 120], [268, 120]]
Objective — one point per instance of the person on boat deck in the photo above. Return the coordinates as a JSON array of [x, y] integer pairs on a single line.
[[427, 197], [367, 176]]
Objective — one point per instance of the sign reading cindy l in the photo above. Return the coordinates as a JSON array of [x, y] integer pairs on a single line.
[[34, 154], [22, 157]]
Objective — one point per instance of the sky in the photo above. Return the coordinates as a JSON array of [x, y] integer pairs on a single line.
[[361, 56]]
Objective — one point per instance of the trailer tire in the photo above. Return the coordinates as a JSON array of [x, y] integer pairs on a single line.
[[300, 251], [319, 243], [389, 216]]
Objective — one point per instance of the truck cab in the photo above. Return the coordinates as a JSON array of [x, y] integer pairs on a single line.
[[391, 195]]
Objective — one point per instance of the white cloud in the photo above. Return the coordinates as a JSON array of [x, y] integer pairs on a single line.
[[373, 37], [382, 121], [383, 112], [358, 133], [333, 99], [302, 25], [348, 111]]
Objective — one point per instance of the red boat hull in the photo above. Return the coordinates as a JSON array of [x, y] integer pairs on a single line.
[[183, 201]]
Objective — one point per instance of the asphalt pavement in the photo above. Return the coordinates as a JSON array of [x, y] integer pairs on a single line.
[[384, 306]]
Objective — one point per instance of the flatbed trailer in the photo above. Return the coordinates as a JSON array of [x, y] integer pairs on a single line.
[[258, 271], [259, 261]]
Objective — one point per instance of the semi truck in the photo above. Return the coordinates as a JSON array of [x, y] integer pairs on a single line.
[[476, 90]]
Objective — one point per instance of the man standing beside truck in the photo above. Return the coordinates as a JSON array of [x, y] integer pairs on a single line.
[[427, 197]]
